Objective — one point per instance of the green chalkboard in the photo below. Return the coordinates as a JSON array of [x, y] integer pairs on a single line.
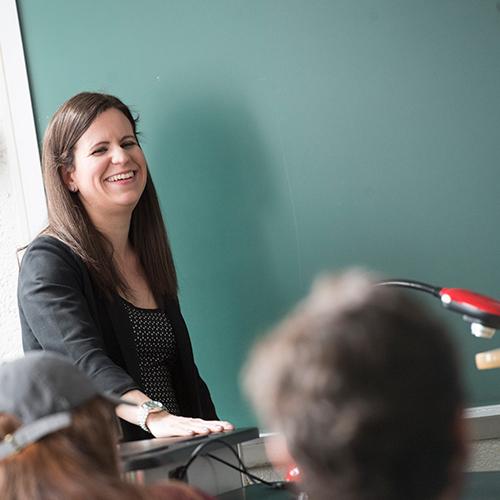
[[288, 137]]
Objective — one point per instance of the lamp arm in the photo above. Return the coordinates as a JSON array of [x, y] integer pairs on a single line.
[[415, 285]]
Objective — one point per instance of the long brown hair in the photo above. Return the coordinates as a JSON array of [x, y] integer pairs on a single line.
[[69, 221], [79, 462]]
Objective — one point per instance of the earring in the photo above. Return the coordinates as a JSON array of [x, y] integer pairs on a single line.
[[73, 189]]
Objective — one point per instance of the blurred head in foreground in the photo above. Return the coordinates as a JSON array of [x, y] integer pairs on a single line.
[[364, 387]]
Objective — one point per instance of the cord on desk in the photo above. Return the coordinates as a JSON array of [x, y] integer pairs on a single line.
[[252, 477], [181, 472]]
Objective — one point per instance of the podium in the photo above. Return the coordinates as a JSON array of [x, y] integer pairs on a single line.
[[157, 459], [152, 460]]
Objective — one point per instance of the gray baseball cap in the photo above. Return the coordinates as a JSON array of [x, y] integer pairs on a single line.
[[41, 389]]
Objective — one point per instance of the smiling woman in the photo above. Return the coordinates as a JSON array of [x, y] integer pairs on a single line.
[[99, 283], [109, 170]]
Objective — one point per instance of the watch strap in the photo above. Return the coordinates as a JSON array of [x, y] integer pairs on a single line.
[[145, 409]]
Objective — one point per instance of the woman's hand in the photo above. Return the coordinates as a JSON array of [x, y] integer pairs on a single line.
[[164, 424]]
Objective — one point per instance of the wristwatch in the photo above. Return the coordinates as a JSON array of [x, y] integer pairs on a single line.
[[145, 409]]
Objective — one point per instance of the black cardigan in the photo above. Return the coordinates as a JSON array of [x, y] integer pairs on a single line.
[[62, 310]]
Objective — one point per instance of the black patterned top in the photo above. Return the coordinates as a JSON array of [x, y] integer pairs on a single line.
[[156, 352]]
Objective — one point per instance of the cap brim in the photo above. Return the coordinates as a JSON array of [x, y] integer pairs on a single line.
[[31, 433]]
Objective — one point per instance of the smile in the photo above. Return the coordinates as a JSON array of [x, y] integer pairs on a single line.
[[121, 177]]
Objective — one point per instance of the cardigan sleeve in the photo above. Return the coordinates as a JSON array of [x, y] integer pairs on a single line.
[[55, 313]]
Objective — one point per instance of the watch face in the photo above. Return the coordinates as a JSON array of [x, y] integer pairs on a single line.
[[152, 406]]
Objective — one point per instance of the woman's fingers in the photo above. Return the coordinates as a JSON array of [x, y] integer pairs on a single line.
[[166, 425], [227, 426], [218, 425]]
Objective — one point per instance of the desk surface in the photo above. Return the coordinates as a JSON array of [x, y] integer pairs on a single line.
[[478, 486], [257, 492], [149, 453], [482, 486]]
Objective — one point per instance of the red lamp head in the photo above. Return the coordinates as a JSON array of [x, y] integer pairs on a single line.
[[482, 312]]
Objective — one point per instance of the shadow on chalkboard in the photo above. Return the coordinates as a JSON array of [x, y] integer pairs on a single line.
[[216, 188]]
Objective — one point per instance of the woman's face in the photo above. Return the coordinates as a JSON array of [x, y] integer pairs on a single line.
[[109, 169]]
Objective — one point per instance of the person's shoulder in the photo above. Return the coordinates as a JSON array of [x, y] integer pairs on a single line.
[[47, 251], [175, 490], [48, 241], [48, 244]]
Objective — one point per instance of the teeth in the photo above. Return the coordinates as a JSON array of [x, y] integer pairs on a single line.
[[121, 177]]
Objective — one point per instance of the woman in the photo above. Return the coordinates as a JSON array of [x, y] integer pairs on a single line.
[[58, 439], [99, 283]]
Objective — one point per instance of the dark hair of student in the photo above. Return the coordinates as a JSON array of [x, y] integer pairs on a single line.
[[69, 221], [79, 462], [365, 386]]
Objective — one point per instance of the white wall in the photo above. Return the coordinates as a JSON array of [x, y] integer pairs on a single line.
[[22, 201], [9, 323], [12, 231]]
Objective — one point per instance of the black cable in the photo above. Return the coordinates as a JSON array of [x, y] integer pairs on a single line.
[[416, 285], [182, 470], [194, 454], [273, 484]]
